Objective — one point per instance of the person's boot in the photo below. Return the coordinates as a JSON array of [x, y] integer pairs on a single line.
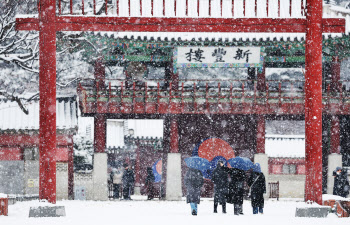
[[215, 207], [224, 208], [236, 211], [194, 213], [241, 210]]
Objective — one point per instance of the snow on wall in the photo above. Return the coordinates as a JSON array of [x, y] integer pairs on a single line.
[[12, 117], [115, 133], [285, 146], [146, 128]]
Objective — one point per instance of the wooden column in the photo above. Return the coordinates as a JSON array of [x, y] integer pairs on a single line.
[[100, 75], [260, 135], [335, 135], [261, 84], [174, 135], [100, 122], [335, 79], [47, 90], [137, 167], [313, 102], [100, 119]]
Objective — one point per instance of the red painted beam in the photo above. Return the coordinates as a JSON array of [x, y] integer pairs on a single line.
[[31, 140], [313, 102], [155, 24]]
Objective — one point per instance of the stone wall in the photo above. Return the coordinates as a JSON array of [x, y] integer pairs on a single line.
[[61, 181], [84, 180], [11, 177]]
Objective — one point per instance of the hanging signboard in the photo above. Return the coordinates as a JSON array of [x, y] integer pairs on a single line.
[[197, 56]]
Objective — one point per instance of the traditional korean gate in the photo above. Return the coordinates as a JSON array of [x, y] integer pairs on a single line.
[[48, 23]]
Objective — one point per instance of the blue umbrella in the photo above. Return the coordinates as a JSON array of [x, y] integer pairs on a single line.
[[198, 163], [257, 168], [241, 163]]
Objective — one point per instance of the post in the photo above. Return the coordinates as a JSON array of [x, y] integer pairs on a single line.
[[261, 84], [335, 79], [100, 133], [137, 189], [334, 158], [313, 102], [174, 135], [173, 178], [260, 135], [47, 90]]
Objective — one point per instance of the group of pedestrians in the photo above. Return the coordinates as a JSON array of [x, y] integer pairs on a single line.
[[228, 188], [122, 178]]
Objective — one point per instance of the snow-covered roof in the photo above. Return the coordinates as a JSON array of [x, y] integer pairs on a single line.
[[285, 146], [13, 118]]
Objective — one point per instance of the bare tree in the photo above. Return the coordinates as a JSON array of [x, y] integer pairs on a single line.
[[19, 55]]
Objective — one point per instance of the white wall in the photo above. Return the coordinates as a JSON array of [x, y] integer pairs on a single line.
[[290, 186]]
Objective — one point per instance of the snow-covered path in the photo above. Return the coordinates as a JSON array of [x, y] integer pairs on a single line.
[[162, 213]]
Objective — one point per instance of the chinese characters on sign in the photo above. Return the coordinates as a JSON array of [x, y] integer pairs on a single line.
[[218, 56]]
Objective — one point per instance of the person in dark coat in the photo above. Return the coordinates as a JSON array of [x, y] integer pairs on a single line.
[[220, 180], [341, 182], [257, 186], [236, 190], [149, 183], [128, 181], [193, 182]]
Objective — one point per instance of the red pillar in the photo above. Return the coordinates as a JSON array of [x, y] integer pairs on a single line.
[[335, 135], [174, 135], [261, 84], [260, 135], [100, 123], [137, 167], [99, 74], [335, 83], [47, 89], [313, 102]]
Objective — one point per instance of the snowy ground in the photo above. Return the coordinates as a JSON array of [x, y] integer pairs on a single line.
[[163, 212]]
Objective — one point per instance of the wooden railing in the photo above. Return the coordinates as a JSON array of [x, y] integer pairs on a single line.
[[199, 96]]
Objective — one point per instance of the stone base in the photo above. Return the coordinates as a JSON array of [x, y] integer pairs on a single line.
[[173, 178], [100, 177], [312, 211], [47, 211], [137, 191]]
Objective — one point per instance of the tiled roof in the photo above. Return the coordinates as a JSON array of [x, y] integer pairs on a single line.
[[13, 118]]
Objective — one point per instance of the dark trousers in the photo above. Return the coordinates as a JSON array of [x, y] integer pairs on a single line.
[[238, 209], [116, 191], [126, 191], [258, 209], [150, 191], [216, 207]]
